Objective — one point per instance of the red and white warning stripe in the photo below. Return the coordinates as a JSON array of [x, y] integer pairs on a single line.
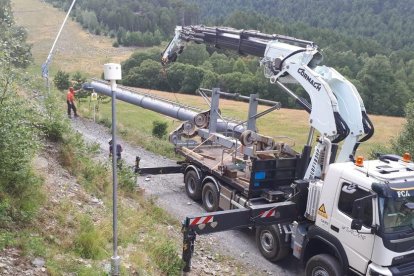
[[201, 220], [268, 213]]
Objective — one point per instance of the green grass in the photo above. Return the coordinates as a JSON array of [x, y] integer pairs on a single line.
[[89, 242], [135, 125], [26, 240]]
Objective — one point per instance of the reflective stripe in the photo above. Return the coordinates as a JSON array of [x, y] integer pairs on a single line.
[[201, 220], [267, 214]]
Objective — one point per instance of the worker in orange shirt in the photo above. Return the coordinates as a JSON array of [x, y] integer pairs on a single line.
[[70, 99]]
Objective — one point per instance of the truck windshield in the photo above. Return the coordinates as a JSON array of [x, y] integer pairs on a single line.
[[397, 213]]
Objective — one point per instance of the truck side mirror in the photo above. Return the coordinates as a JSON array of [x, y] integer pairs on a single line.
[[356, 224], [358, 211]]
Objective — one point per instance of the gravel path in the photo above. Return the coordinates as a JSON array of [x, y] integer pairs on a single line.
[[170, 195]]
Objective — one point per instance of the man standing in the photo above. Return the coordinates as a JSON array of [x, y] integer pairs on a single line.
[[119, 150], [70, 99]]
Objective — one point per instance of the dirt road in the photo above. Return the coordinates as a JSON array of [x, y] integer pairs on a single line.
[[169, 193]]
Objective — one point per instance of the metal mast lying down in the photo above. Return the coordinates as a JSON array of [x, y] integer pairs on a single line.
[[208, 125]]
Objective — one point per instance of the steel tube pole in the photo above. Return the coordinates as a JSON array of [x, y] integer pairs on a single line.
[[112, 72], [173, 110], [115, 257]]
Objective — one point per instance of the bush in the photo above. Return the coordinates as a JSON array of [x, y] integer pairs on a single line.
[[78, 79], [405, 140], [54, 126], [61, 80], [89, 242], [112, 34], [19, 187], [115, 44], [166, 257], [126, 179], [159, 129]]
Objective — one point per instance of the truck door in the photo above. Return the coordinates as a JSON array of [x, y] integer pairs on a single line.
[[358, 245]]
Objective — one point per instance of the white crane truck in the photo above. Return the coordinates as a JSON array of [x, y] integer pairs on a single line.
[[337, 213]]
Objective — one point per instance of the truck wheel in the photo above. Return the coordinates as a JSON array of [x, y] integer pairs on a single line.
[[271, 243], [192, 185], [323, 265], [210, 197]]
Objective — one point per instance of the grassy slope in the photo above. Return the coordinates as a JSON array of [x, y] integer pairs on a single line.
[[75, 50]]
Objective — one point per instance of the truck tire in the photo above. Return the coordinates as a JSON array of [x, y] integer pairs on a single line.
[[192, 185], [323, 265], [271, 243], [210, 196]]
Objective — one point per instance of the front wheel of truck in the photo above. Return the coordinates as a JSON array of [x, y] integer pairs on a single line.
[[271, 243], [323, 265]]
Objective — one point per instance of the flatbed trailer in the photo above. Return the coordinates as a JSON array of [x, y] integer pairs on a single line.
[[234, 182]]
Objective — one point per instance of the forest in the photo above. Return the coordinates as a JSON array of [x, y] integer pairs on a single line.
[[131, 23], [369, 42], [388, 22]]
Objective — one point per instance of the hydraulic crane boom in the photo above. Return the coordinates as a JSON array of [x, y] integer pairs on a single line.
[[336, 108], [244, 42]]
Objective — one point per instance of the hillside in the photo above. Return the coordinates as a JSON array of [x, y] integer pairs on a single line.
[[369, 42], [75, 50], [386, 21]]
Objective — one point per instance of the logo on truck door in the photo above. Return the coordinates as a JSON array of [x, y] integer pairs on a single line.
[[403, 193], [322, 211]]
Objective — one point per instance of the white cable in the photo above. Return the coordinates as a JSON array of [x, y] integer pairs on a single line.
[[45, 70]]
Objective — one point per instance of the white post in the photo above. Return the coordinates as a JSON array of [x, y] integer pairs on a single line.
[[94, 98], [112, 72]]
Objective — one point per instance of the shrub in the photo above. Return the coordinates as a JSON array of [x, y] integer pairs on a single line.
[[61, 80], [89, 242], [19, 187], [405, 141], [126, 179], [112, 34], [78, 79], [159, 129], [54, 126], [166, 258], [115, 44]]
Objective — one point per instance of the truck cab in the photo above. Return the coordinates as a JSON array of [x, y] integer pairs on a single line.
[[366, 214]]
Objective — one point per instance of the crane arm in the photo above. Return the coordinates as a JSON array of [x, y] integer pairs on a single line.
[[336, 108], [244, 42]]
